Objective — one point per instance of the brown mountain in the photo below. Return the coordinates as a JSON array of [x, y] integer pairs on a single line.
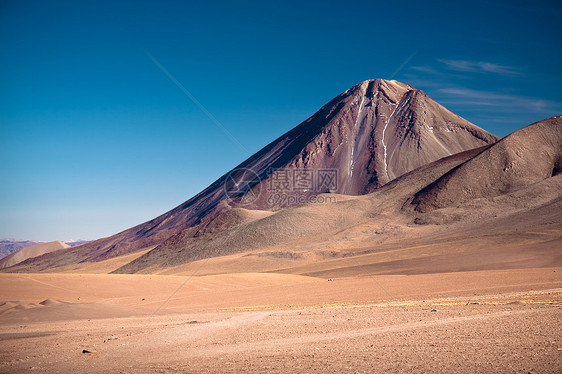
[[369, 135], [522, 158], [498, 206]]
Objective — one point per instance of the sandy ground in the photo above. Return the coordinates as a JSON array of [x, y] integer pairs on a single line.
[[481, 321]]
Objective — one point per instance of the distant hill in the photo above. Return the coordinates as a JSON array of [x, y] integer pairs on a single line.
[[8, 246], [74, 243], [30, 252]]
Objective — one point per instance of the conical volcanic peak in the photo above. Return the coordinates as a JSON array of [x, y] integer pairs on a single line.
[[365, 137], [379, 130]]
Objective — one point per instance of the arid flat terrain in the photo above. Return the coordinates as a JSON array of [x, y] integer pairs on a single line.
[[478, 321]]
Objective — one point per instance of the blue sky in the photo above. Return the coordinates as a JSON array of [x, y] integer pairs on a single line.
[[96, 138]]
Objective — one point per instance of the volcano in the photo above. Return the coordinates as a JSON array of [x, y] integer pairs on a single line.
[[364, 138]]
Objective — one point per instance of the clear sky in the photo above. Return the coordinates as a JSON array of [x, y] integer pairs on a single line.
[[96, 138]]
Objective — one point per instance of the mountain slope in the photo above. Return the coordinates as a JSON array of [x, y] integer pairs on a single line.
[[489, 229], [367, 136], [307, 226], [524, 157]]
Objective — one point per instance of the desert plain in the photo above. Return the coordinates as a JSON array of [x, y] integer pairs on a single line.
[[468, 321]]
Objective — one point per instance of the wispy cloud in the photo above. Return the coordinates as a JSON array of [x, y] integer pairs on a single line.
[[481, 67], [424, 69], [465, 96]]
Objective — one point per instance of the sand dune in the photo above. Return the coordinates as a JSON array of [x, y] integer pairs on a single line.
[[51, 310]]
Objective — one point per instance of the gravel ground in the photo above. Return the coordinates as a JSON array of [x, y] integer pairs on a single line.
[[516, 332]]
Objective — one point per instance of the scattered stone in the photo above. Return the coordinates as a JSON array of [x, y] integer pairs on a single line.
[[85, 351]]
